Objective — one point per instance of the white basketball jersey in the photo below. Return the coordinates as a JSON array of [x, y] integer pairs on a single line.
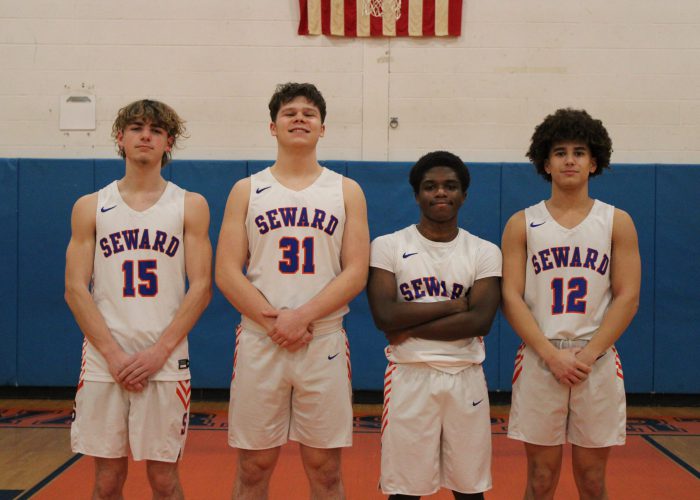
[[431, 271], [139, 277], [567, 280], [294, 241]]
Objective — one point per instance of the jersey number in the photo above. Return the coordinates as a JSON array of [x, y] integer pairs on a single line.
[[577, 289], [289, 264], [148, 286]]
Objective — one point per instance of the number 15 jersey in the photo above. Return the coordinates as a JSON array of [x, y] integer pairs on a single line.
[[567, 278], [138, 277], [294, 242]]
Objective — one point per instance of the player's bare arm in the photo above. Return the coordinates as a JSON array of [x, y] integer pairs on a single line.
[[198, 256], [391, 315], [625, 282], [563, 364], [292, 324], [79, 266], [484, 298], [231, 258]]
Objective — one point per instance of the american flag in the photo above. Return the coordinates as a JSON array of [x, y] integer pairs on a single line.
[[346, 18]]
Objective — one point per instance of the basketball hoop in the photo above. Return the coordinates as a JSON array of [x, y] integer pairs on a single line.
[[381, 8]]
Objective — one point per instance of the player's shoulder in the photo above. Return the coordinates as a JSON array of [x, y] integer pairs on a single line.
[[516, 220], [195, 205], [86, 202], [390, 242], [482, 245], [623, 225], [241, 187], [351, 186]]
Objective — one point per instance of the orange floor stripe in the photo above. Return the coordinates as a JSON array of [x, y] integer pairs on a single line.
[[636, 471]]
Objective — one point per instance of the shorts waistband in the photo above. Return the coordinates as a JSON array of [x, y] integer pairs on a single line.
[[568, 343], [319, 328]]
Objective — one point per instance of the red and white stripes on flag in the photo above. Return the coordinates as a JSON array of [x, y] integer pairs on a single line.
[[346, 18]]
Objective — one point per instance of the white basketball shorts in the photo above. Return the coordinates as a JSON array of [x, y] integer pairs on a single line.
[[109, 421], [591, 414], [436, 430], [277, 395]]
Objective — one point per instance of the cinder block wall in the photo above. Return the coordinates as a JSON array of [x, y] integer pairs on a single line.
[[636, 65]]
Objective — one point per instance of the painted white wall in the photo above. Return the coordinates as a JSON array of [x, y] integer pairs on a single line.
[[634, 64]]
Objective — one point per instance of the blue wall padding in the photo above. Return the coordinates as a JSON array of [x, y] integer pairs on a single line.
[[632, 188], [390, 206], [677, 290], [42, 343], [8, 271], [212, 339], [481, 216], [520, 188], [48, 343]]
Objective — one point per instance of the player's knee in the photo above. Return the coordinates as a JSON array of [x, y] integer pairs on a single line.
[[325, 474], [542, 480], [109, 484], [252, 471], [592, 483], [164, 483]]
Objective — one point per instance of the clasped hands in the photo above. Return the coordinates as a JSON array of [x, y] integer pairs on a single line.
[[570, 366], [132, 371], [290, 330]]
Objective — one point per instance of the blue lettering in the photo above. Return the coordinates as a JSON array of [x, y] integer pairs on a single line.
[[319, 215], [406, 292]]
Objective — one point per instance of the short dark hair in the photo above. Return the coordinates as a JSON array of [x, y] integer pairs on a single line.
[[155, 112], [438, 159], [287, 92], [568, 124]]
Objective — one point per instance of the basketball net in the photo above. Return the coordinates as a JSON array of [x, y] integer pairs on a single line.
[[382, 8]]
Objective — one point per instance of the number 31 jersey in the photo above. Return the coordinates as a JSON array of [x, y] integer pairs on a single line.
[[567, 280], [138, 277], [294, 241]]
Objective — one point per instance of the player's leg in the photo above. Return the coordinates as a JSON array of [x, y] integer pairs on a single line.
[[321, 420], [465, 443], [589, 471], [99, 429], [254, 472], [158, 422], [322, 466], [164, 480], [468, 496], [403, 497], [110, 475], [543, 469], [597, 421], [411, 431], [259, 411]]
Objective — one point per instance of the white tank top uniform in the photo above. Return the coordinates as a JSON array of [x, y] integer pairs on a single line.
[[139, 277], [567, 288], [572, 266], [138, 285], [436, 430], [300, 233], [294, 240]]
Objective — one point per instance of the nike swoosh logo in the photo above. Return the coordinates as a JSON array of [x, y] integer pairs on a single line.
[[532, 224], [476, 403], [407, 255], [103, 209], [331, 357], [260, 190]]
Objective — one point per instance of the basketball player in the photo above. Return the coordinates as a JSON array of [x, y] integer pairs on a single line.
[[301, 232], [571, 278], [434, 290], [133, 245]]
